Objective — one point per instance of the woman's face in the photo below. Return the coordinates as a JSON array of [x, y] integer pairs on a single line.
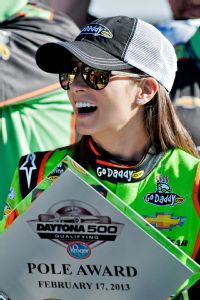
[[107, 111]]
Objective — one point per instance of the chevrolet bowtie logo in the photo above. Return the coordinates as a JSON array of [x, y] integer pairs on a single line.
[[165, 221]]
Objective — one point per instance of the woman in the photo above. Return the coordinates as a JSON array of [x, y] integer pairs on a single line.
[[131, 139]]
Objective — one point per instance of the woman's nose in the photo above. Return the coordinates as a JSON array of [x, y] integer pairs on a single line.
[[78, 83]]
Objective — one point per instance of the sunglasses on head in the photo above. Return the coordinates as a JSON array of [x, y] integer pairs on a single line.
[[94, 78]]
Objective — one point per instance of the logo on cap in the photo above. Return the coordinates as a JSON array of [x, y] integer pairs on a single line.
[[97, 30]]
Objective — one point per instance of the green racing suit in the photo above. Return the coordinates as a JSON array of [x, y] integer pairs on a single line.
[[158, 188]]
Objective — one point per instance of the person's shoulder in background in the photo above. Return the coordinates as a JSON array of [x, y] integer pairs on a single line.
[[184, 33], [179, 31], [80, 16]]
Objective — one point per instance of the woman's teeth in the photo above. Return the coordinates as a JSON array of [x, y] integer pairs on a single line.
[[85, 107], [84, 104]]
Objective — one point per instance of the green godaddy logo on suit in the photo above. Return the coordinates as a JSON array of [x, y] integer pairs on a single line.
[[163, 195]]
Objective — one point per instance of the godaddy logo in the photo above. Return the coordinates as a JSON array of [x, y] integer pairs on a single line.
[[163, 195], [97, 30]]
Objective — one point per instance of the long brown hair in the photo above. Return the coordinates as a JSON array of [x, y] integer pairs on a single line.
[[164, 127]]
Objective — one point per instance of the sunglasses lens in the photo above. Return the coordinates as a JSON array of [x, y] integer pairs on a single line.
[[96, 79], [67, 78], [64, 81]]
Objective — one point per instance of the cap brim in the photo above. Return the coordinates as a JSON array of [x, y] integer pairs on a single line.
[[54, 57]]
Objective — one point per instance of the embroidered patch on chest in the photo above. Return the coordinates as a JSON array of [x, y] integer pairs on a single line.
[[163, 194]]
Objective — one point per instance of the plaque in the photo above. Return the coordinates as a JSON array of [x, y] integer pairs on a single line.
[[73, 243]]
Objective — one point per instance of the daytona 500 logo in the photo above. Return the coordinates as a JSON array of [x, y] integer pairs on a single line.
[[76, 225]]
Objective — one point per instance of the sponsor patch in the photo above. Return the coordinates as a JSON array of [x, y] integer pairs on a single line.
[[7, 211], [78, 167], [118, 174], [138, 174], [28, 167], [96, 30], [179, 242], [11, 194], [163, 195], [78, 250], [57, 171], [165, 221]]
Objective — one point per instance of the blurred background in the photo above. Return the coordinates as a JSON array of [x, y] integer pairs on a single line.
[[152, 11]]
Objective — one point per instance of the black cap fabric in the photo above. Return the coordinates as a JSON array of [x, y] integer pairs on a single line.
[[114, 43], [95, 46]]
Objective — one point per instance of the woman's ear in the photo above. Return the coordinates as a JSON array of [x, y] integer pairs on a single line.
[[148, 89]]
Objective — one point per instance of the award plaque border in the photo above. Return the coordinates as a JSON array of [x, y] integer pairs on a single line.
[[115, 201]]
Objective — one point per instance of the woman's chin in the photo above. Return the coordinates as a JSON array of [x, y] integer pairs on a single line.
[[84, 131]]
